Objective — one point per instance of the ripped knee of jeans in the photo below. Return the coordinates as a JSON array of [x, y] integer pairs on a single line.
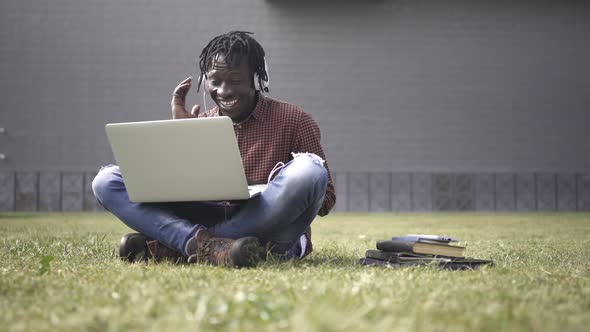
[[106, 166], [316, 159]]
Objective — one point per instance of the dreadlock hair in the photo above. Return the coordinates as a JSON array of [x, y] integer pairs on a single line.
[[233, 46]]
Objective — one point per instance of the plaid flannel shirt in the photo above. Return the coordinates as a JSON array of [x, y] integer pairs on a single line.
[[270, 134]]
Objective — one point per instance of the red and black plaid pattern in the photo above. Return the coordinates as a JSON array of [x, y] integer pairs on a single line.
[[269, 135]]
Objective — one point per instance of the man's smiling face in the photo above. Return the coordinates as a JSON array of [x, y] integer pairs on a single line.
[[232, 88]]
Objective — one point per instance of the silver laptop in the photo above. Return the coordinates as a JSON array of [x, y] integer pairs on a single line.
[[180, 160]]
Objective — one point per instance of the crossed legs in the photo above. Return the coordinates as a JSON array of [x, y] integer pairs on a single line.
[[279, 215]]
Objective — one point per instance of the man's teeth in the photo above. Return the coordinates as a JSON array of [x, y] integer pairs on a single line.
[[229, 103]]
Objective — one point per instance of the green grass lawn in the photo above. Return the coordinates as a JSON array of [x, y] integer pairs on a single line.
[[541, 280]]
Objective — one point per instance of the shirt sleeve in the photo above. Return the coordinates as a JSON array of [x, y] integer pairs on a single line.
[[307, 139]]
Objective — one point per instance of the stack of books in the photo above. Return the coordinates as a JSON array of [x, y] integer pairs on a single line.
[[421, 249]]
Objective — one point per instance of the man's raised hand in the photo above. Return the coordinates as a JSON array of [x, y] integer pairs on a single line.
[[178, 101]]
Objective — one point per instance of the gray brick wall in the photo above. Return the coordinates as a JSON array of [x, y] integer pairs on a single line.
[[355, 191], [398, 88]]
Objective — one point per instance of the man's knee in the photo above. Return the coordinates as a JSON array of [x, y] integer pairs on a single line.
[[102, 183], [311, 167]]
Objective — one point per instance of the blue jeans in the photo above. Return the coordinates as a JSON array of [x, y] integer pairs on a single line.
[[279, 215]]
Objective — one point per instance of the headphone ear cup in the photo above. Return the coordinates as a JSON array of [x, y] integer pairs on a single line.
[[261, 84], [265, 83], [255, 82]]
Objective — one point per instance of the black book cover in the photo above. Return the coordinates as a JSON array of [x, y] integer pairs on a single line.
[[402, 257], [419, 247], [453, 264]]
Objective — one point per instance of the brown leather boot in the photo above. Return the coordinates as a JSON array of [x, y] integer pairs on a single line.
[[136, 247], [160, 252], [203, 247]]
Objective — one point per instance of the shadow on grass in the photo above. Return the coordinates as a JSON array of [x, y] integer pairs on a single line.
[[324, 260], [276, 263]]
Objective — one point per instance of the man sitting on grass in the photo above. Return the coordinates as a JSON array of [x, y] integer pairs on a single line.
[[271, 135]]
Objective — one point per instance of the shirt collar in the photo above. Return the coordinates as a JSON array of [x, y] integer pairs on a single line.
[[257, 114]]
